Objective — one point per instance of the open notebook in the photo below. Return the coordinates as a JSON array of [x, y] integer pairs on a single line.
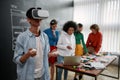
[[71, 60]]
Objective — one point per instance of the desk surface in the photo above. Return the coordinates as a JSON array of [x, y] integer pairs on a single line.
[[94, 72]]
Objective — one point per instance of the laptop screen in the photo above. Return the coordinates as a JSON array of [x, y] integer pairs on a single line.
[[71, 60]]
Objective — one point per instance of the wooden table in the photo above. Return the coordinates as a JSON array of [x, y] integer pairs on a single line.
[[94, 73]]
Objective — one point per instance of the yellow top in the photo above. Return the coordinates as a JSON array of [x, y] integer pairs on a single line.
[[79, 50]]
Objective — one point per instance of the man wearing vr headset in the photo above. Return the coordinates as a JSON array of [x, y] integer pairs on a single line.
[[32, 49]]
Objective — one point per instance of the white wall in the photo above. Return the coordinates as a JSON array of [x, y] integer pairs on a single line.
[[60, 10]]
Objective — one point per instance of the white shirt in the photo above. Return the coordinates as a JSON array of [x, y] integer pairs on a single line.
[[64, 41], [38, 59]]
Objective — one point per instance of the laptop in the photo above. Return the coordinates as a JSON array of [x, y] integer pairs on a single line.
[[71, 60]]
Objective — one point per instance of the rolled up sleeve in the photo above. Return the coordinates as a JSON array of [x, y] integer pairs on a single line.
[[18, 51]]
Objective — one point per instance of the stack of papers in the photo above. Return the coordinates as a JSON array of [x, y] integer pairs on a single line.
[[104, 60], [97, 65]]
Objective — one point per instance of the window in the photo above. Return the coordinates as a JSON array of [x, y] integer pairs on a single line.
[[105, 13]]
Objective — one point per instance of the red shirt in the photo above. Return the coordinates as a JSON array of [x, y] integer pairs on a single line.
[[95, 41]]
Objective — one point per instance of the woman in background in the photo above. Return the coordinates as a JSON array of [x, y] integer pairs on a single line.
[[80, 45], [94, 40], [53, 36], [66, 46]]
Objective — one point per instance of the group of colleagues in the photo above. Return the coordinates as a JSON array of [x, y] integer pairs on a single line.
[[34, 48], [71, 43]]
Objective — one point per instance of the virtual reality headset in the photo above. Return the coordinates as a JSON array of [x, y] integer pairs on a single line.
[[40, 14]]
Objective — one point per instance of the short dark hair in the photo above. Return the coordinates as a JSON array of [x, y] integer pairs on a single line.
[[95, 27], [68, 25], [29, 12], [80, 25], [53, 21]]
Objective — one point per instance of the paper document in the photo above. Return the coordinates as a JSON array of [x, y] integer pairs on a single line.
[[97, 65]]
